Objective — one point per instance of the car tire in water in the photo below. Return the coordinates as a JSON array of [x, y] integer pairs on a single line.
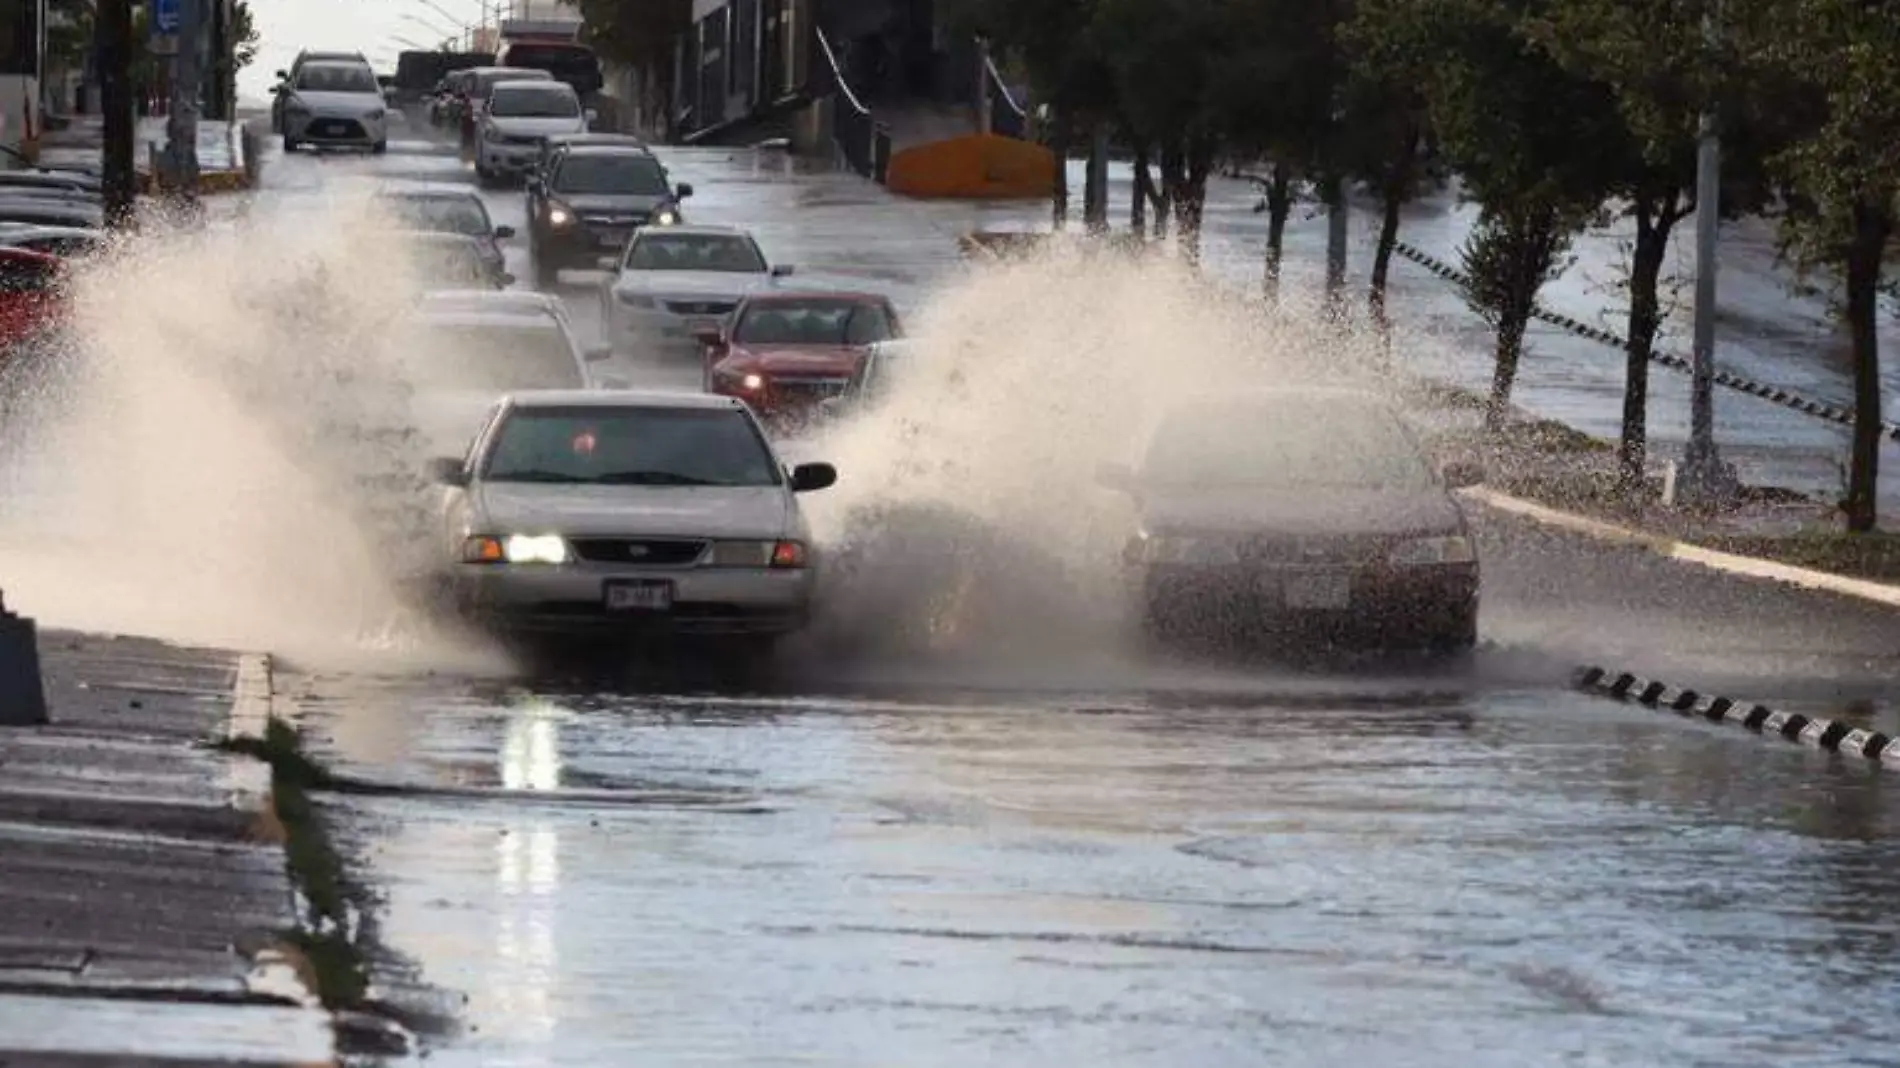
[[291, 144], [379, 148]]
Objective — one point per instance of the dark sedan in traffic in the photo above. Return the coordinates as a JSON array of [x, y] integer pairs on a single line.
[[1298, 513]]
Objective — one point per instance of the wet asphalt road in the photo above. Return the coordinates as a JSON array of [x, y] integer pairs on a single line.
[[1091, 857]]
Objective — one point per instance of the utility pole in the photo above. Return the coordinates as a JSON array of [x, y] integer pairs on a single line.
[[1336, 235], [1706, 480], [181, 126], [113, 40]]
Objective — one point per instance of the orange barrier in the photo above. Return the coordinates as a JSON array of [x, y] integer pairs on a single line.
[[978, 167]]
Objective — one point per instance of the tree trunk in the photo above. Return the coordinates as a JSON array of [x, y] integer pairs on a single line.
[[117, 103], [1138, 202], [1059, 146], [1394, 192], [1873, 226], [1279, 208], [1095, 187], [1190, 204], [1653, 221], [1510, 347]]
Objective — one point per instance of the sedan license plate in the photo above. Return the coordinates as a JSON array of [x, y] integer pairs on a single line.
[[655, 595], [1321, 589]]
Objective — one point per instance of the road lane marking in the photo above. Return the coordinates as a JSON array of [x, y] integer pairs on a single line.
[[1670, 548]]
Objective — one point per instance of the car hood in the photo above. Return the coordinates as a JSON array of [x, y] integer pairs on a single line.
[[664, 511], [795, 359], [535, 127], [691, 283], [340, 103], [626, 204], [1302, 511]]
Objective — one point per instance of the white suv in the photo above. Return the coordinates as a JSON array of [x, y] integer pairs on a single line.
[[519, 116], [335, 102]]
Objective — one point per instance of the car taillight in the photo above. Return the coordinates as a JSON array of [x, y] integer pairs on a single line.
[[788, 554]]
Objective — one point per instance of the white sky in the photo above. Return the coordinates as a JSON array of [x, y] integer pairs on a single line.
[[369, 26]]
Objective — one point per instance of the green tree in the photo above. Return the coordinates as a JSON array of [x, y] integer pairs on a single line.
[[1523, 134], [1843, 178], [643, 35], [1388, 115]]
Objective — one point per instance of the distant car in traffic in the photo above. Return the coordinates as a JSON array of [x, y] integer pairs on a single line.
[[520, 114], [1298, 512], [65, 242], [45, 211], [497, 302], [590, 202], [628, 514], [451, 210], [288, 76], [458, 360], [675, 283], [474, 98], [11, 181], [450, 261], [785, 352], [32, 306], [338, 104]]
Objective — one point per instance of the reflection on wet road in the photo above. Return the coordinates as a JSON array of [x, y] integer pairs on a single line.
[[1380, 874]]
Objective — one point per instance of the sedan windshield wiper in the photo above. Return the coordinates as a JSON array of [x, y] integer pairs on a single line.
[[534, 476], [655, 478]]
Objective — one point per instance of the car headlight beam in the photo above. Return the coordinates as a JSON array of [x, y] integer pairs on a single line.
[[559, 217], [666, 217], [1427, 552]]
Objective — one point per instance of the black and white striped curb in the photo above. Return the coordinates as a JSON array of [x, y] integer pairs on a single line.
[[1811, 731], [1773, 394]]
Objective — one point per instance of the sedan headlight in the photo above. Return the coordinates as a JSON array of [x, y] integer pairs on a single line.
[[1183, 549], [560, 216], [1424, 552], [747, 383], [516, 549], [489, 133], [666, 217], [376, 116]]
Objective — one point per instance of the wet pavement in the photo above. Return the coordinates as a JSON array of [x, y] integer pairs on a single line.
[[967, 856], [142, 905]]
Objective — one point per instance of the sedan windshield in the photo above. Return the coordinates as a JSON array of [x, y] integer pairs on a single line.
[[493, 357], [337, 78], [551, 101], [631, 447], [441, 214], [626, 174], [814, 322], [1319, 443], [457, 263], [660, 251]]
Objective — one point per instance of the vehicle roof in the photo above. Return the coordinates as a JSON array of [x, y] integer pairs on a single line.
[[786, 296], [321, 53], [620, 398], [24, 176], [525, 74], [523, 298], [8, 252], [11, 231], [437, 237], [608, 149], [533, 83], [431, 190], [592, 138], [32, 210], [700, 230], [498, 319]]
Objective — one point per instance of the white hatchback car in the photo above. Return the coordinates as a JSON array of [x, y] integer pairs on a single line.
[[627, 514], [335, 103], [674, 282], [518, 117]]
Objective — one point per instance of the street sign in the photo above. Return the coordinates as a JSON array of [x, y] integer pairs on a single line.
[[165, 17]]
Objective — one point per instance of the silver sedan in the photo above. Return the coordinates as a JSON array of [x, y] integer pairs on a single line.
[[627, 514]]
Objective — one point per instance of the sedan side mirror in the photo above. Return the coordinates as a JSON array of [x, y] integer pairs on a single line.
[[809, 477], [1115, 476], [1461, 474], [684, 190], [503, 233], [782, 270], [448, 471]]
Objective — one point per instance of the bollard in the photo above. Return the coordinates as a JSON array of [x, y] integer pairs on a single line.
[[22, 692]]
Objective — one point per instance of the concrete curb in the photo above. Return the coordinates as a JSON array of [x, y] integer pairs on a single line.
[[1816, 733], [1772, 394], [1670, 548], [248, 782]]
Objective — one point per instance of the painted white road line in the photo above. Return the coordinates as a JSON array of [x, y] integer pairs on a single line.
[[1729, 563]]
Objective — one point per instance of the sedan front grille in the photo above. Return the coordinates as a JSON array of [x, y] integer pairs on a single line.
[[348, 129], [816, 388], [639, 552], [615, 220], [701, 307], [1313, 550]]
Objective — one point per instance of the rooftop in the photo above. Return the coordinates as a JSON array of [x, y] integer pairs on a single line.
[[621, 398]]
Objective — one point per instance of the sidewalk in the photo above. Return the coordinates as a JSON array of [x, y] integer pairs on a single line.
[[83, 143], [140, 894]]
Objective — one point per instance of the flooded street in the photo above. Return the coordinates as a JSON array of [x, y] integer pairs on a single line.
[[1244, 873], [1034, 846]]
